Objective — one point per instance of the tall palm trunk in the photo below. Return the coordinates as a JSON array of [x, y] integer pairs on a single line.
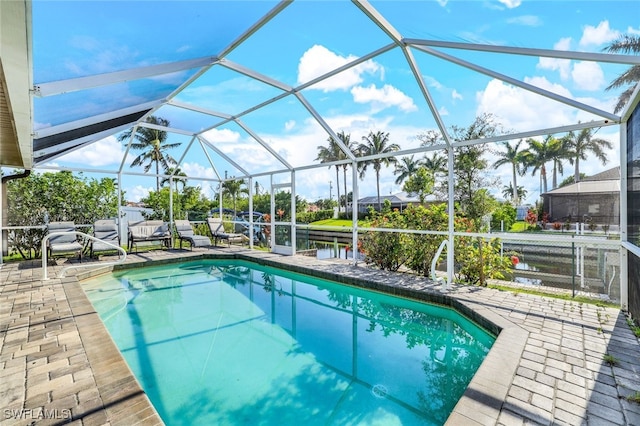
[[157, 176], [576, 173], [514, 195], [338, 185], [344, 178], [543, 175]]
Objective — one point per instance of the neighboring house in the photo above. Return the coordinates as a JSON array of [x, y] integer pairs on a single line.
[[398, 201], [595, 197]]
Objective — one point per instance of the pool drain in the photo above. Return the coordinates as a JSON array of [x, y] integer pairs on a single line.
[[379, 391]]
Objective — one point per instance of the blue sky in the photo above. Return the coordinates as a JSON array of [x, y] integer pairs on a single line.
[[308, 38]]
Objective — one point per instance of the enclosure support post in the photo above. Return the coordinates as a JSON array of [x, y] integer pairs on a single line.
[[624, 268], [293, 213], [272, 212], [251, 213], [573, 269], [450, 254], [119, 197], [354, 211], [171, 209], [220, 199]]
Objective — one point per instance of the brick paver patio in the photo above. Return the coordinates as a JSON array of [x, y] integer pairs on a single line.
[[59, 365]]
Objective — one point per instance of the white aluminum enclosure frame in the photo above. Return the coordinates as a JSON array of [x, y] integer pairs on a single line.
[[407, 46]]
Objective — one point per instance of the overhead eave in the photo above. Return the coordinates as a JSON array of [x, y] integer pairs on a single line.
[[15, 84]]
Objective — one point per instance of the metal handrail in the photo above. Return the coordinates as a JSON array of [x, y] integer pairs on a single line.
[[445, 283], [65, 269]]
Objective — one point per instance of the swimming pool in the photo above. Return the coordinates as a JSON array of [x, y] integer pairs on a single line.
[[232, 342]]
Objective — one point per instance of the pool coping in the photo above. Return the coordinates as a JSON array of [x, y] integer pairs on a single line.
[[485, 394]]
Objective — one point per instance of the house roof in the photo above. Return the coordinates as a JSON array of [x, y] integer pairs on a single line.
[[399, 198], [603, 182], [610, 174]]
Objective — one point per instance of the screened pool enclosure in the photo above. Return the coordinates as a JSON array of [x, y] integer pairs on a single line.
[[249, 90]]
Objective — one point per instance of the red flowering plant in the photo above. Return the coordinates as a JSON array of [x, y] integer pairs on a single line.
[[532, 217]]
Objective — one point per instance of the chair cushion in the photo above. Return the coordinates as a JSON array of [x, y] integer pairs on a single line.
[[61, 227], [102, 246], [66, 247], [199, 241]]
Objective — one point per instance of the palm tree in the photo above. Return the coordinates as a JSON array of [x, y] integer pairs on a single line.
[[515, 158], [537, 156], [436, 164], [375, 144], [154, 144], [352, 146], [625, 44], [507, 192], [233, 188], [328, 154], [581, 145], [178, 177], [560, 151], [406, 167]]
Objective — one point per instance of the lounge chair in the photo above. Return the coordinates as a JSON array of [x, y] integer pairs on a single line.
[[217, 232], [63, 244], [185, 233], [107, 231]]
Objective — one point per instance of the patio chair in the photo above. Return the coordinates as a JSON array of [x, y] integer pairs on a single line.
[[185, 233], [217, 232], [60, 245], [107, 231]]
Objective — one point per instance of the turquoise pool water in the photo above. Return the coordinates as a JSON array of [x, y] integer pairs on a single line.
[[234, 343]]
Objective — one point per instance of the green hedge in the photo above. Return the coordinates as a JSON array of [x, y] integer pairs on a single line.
[[309, 217]]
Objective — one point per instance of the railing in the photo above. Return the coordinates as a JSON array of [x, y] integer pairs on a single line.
[[65, 269]]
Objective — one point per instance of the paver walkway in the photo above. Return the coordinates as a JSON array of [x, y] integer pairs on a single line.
[[58, 364]]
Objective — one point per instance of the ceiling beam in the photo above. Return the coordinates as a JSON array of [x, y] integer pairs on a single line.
[[544, 53], [16, 108]]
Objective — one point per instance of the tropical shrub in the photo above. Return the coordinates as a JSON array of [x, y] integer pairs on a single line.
[[50, 197], [506, 213], [386, 250], [478, 260], [421, 248], [309, 217]]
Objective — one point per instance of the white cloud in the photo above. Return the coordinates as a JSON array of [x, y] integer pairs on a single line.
[[596, 36], [432, 82], [443, 111], [102, 153], [319, 60], [511, 4], [137, 193], [383, 98], [526, 20], [221, 136], [522, 110], [289, 125], [635, 31], [195, 170], [455, 95], [561, 65], [588, 75]]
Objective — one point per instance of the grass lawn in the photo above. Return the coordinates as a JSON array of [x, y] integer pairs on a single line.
[[345, 223], [519, 226]]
